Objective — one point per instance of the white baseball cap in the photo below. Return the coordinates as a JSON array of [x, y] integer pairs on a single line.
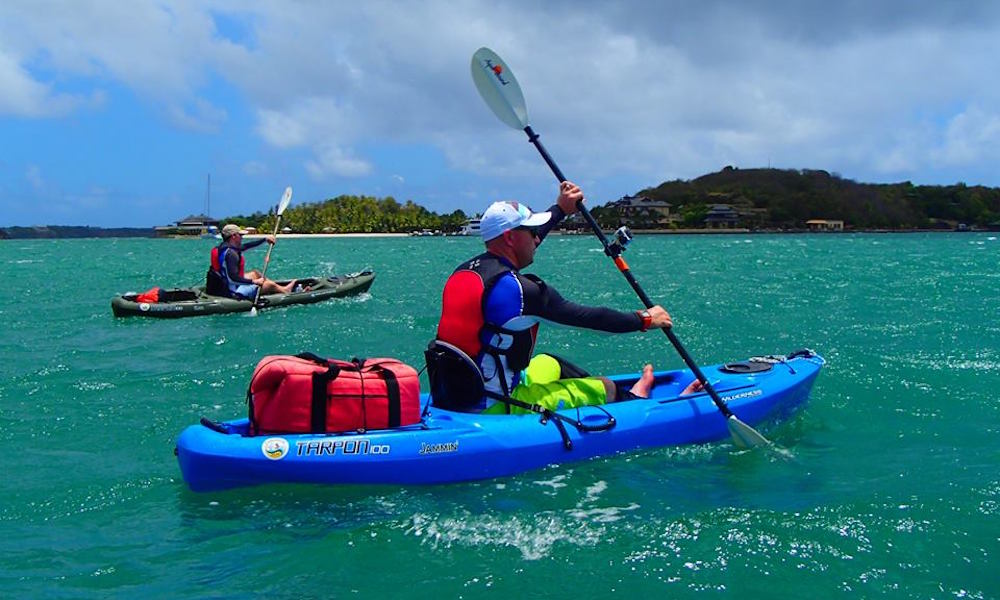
[[506, 215]]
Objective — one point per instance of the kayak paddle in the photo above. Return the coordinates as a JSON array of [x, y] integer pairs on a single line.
[[500, 90], [285, 199]]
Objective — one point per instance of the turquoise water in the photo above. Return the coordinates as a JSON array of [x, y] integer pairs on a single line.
[[893, 489]]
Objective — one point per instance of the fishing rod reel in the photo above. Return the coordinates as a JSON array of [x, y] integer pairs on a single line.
[[622, 238]]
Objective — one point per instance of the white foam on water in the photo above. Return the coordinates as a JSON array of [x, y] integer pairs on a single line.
[[358, 299], [991, 504], [559, 481], [533, 536], [594, 490], [88, 386], [606, 514]]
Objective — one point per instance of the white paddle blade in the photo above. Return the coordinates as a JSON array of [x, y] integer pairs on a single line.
[[745, 436], [499, 88], [285, 199]]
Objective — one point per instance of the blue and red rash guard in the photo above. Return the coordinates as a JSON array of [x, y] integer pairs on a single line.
[[229, 263], [491, 311]]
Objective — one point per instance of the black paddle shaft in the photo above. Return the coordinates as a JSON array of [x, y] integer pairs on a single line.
[[615, 253]]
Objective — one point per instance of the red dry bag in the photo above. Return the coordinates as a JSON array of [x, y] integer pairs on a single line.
[[151, 295], [308, 394]]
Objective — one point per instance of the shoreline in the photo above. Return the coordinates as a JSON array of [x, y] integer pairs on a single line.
[[735, 231], [609, 233], [292, 236]]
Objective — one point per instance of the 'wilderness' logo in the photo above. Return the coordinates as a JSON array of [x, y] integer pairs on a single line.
[[749, 394]]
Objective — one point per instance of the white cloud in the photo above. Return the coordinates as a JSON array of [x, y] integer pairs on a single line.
[[280, 129], [34, 177], [199, 115], [95, 198], [162, 52], [311, 121], [254, 168], [972, 136], [649, 89], [333, 160], [22, 96]]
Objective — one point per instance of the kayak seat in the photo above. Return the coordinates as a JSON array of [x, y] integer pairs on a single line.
[[456, 381], [215, 285], [177, 295], [457, 384]]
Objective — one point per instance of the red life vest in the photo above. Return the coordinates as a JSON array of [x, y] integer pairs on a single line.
[[462, 316], [463, 322]]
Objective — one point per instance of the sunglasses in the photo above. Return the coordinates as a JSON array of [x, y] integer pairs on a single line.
[[531, 230]]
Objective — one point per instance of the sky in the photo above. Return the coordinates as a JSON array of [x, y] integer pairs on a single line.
[[115, 114]]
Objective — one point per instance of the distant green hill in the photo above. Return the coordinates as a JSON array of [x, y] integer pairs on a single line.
[[787, 198], [355, 214], [72, 231], [763, 198]]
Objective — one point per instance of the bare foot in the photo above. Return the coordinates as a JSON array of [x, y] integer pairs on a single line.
[[645, 383], [694, 386]]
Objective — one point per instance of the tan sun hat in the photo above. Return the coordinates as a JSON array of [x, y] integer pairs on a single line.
[[230, 230]]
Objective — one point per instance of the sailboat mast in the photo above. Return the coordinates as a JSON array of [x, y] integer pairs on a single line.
[[208, 196]]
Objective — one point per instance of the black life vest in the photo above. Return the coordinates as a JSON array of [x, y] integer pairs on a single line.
[[217, 280]]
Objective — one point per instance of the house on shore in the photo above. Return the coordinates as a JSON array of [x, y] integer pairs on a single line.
[[825, 225], [194, 225], [643, 211], [722, 216]]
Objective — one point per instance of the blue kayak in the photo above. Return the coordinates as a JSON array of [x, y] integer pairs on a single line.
[[451, 446]]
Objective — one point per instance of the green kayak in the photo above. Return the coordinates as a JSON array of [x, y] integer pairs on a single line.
[[193, 301]]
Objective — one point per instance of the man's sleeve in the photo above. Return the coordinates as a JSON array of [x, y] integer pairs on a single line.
[[557, 216], [252, 244], [544, 301]]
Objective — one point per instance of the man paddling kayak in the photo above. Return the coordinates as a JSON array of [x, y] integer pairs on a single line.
[[491, 311], [228, 264]]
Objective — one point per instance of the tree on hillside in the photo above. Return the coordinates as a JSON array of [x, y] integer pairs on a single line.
[[356, 214], [791, 197], [768, 198]]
